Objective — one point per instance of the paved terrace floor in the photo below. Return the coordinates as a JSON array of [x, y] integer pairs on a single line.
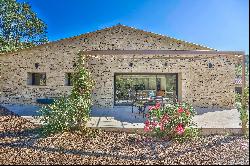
[[121, 117]]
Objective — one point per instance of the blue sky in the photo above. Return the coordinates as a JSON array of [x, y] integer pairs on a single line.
[[219, 24]]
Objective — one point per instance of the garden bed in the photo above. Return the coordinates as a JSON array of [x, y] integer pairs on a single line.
[[20, 144]]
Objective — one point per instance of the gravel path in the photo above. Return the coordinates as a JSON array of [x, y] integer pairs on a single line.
[[20, 144]]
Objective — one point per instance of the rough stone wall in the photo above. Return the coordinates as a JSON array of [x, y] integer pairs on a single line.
[[199, 85]]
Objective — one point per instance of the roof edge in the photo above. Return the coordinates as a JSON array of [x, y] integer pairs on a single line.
[[178, 52], [106, 28], [56, 41], [169, 37]]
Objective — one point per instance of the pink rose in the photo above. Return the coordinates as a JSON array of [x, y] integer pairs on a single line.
[[157, 105], [146, 128], [180, 129], [180, 110], [165, 118], [161, 126], [147, 122], [151, 108], [154, 124]]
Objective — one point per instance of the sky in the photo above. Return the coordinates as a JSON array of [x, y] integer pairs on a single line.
[[219, 24]]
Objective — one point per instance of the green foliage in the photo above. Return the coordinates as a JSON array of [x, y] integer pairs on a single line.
[[81, 93], [238, 98], [245, 98], [190, 132], [19, 26], [122, 88], [72, 112], [243, 109], [58, 116], [173, 121], [238, 71]]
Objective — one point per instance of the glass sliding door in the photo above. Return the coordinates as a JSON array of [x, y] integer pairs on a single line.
[[145, 86]]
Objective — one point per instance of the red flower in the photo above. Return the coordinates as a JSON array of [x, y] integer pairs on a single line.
[[180, 129], [147, 115], [146, 128], [157, 105], [180, 110], [147, 122], [161, 126], [165, 118], [151, 108], [154, 124]]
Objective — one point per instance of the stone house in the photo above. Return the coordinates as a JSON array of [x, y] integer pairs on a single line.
[[121, 58]]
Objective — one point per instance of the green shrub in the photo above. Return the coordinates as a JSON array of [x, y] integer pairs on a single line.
[[72, 112], [58, 116], [238, 97], [243, 109]]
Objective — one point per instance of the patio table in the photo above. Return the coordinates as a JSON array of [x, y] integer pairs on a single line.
[[152, 102], [142, 104]]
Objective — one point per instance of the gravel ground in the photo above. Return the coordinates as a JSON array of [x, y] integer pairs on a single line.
[[20, 144]]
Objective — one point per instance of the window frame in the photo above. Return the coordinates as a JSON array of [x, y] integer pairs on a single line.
[[68, 81], [31, 78], [172, 74]]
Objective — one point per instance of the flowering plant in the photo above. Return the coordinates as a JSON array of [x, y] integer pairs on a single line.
[[172, 121]]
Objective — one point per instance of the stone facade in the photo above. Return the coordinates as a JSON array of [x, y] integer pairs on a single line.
[[198, 84]]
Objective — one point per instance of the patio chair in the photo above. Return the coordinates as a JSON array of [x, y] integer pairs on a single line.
[[137, 101], [159, 99]]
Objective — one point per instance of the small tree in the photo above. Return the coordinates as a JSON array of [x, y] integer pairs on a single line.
[[81, 93], [19, 26], [72, 112]]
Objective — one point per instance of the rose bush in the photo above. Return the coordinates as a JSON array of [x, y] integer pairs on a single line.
[[174, 121]]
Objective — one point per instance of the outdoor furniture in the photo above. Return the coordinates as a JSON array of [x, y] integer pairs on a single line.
[[142, 101], [45, 100], [140, 105], [159, 99], [137, 98], [152, 102], [160, 93]]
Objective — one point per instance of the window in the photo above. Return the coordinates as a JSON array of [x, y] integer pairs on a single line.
[[238, 90], [146, 85], [38, 79], [68, 79]]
